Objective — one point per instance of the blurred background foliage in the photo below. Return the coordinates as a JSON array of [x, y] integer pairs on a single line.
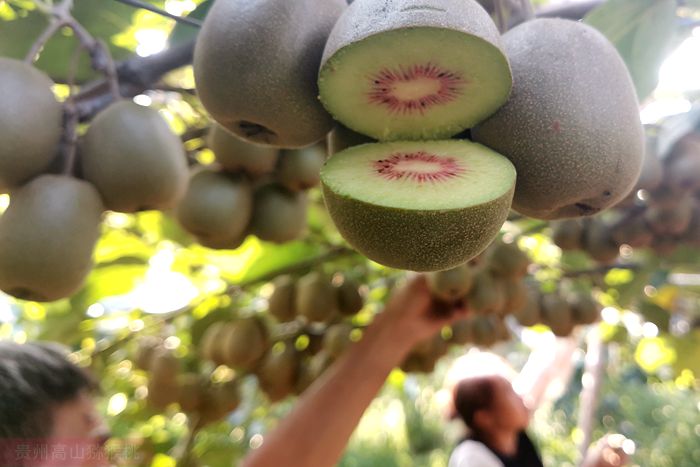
[[151, 278]]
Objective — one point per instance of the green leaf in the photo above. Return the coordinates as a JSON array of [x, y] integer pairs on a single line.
[[183, 33], [644, 32], [103, 19]]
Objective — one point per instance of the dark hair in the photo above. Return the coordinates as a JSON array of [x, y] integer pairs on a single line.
[[34, 379], [471, 395]]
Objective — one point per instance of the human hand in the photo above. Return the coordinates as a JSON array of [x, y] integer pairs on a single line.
[[412, 315], [609, 451]]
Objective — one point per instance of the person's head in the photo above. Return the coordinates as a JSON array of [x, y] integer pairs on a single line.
[[488, 404], [44, 398]]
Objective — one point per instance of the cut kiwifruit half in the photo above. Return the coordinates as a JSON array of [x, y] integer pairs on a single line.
[[418, 69], [423, 205]]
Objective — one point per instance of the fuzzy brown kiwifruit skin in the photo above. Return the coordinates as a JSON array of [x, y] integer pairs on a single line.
[[300, 169], [599, 243], [30, 123], [350, 301], [279, 215], [342, 138], [134, 159], [278, 372], [316, 298], [47, 237], [557, 314], [233, 154], [584, 309], [568, 234], [380, 233], [282, 302], [530, 313], [271, 50], [452, 284], [571, 126]]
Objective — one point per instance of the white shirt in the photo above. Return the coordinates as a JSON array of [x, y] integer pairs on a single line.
[[472, 453]]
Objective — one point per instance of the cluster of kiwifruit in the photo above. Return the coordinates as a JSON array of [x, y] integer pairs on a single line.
[[252, 189], [128, 160], [551, 100], [662, 213], [493, 287], [196, 394]]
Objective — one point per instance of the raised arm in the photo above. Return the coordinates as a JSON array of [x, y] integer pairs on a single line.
[[316, 432]]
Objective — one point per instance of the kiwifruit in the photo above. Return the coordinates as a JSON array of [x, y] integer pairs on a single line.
[[633, 232], [315, 297], [190, 392], [485, 330], [47, 236], [244, 343], [300, 169], [557, 314], [337, 339], [584, 308], [279, 215], [434, 347], [413, 69], [418, 364], [571, 126], [683, 165], [30, 123], [145, 350], [278, 371], [487, 295], [219, 400], [516, 295], [217, 205], [529, 314], [134, 159], [211, 347], [452, 284], [282, 302], [462, 332], [598, 242], [507, 260], [234, 154], [652, 173], [255, 68], [348, 295], [165, 367], [342, 138], [161, 393], [423, 206], [311, 370], [222, 243], [567, 234], [503, 334], [671, 220]]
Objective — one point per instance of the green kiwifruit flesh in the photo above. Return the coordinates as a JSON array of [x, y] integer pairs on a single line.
[[30, 123], [507, 260], [342, 138], [244, 343], [529, 314], [217, 205], [47, 237], [134, 159], [557, 314], [487, 295], [452, 284], [282, 302], [567, 234], [571, 126], [315, 298], [279, 215], [423, 206], [350, 301], [255, 68], [584, 308], [278, 371], [337, 339], [300, 169], [234, 154], [413, 70], [599, 243]]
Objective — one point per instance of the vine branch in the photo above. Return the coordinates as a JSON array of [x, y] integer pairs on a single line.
[[154, 9]]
